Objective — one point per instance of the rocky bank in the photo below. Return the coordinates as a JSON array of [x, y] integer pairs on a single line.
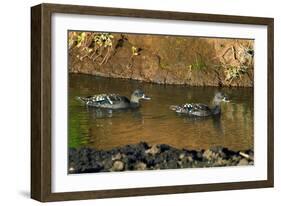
[[145, 157]]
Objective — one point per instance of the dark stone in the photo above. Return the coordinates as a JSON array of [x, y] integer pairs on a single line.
[[88, 168], [172, 164], [72, 152], [158, 159], [228, 153], [150, 160], [107, 163], [114, 151], [163, 165], [199, 156], [192, 153], [144, 145], [136, 150], [164, 147], [131, 159]]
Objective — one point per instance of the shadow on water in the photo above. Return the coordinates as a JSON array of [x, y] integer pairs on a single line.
[[154, 122], [100, 113], [216, 121]]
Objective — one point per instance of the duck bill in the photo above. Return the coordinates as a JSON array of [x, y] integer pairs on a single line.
[[146, 97]]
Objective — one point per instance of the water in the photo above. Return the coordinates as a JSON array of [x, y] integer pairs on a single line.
[[153, 122]]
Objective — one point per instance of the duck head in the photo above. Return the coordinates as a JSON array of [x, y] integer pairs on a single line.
[[137, 95], [220, 97]]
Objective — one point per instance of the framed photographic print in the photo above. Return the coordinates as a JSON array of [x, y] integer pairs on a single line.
[[132, 102]]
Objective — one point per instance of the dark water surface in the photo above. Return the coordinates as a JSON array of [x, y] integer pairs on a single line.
[[154, 122]]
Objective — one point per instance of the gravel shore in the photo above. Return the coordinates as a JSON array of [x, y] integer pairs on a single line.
[[150, 157]]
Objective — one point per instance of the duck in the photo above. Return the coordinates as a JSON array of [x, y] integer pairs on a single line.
[[114, 101], [202, 110]]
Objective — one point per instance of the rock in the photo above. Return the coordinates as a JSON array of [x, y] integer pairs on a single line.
[[219, 151], [71, 170], [251, 163], [118, 156], [221, 162], [90, 167], [199, 156], [181, 156], [172, 165], [107, 163], [164, 147], [141, 157], [163, 165], [72, 152], [153, 150], [243, 162], [171, 155], [158, 158], [179, 164], [144, 145], [189, 158], [96, 167], [210, 155], [130, 158], [140, 166], [150, 160], [235, 159], [228, 153], [118, 166]]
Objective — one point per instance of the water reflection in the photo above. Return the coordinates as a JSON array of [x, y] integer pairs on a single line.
[[154, 122], [100, 113]]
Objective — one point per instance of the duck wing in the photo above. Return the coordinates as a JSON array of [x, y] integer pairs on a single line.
[[100, 99], [201, 110], [111, 101], [184, 108]]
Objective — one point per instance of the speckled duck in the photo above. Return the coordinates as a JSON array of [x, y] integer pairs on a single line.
[[114, 101], [201, 110]]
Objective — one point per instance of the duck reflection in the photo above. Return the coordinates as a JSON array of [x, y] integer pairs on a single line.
[[101, 113]]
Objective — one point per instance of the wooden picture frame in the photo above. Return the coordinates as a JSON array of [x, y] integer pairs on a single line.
[[41, 96]]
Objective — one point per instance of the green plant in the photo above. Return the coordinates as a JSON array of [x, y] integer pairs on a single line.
[[234, 72], [239, 62], [198, 64], [102, 46], [135, 51], [80, 38], [92, 45], [103, 39]]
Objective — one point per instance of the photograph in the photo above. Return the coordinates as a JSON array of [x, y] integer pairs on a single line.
[[132, 102], [139, 102]]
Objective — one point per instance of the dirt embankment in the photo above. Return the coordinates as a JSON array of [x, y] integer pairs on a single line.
[[163, 59]]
